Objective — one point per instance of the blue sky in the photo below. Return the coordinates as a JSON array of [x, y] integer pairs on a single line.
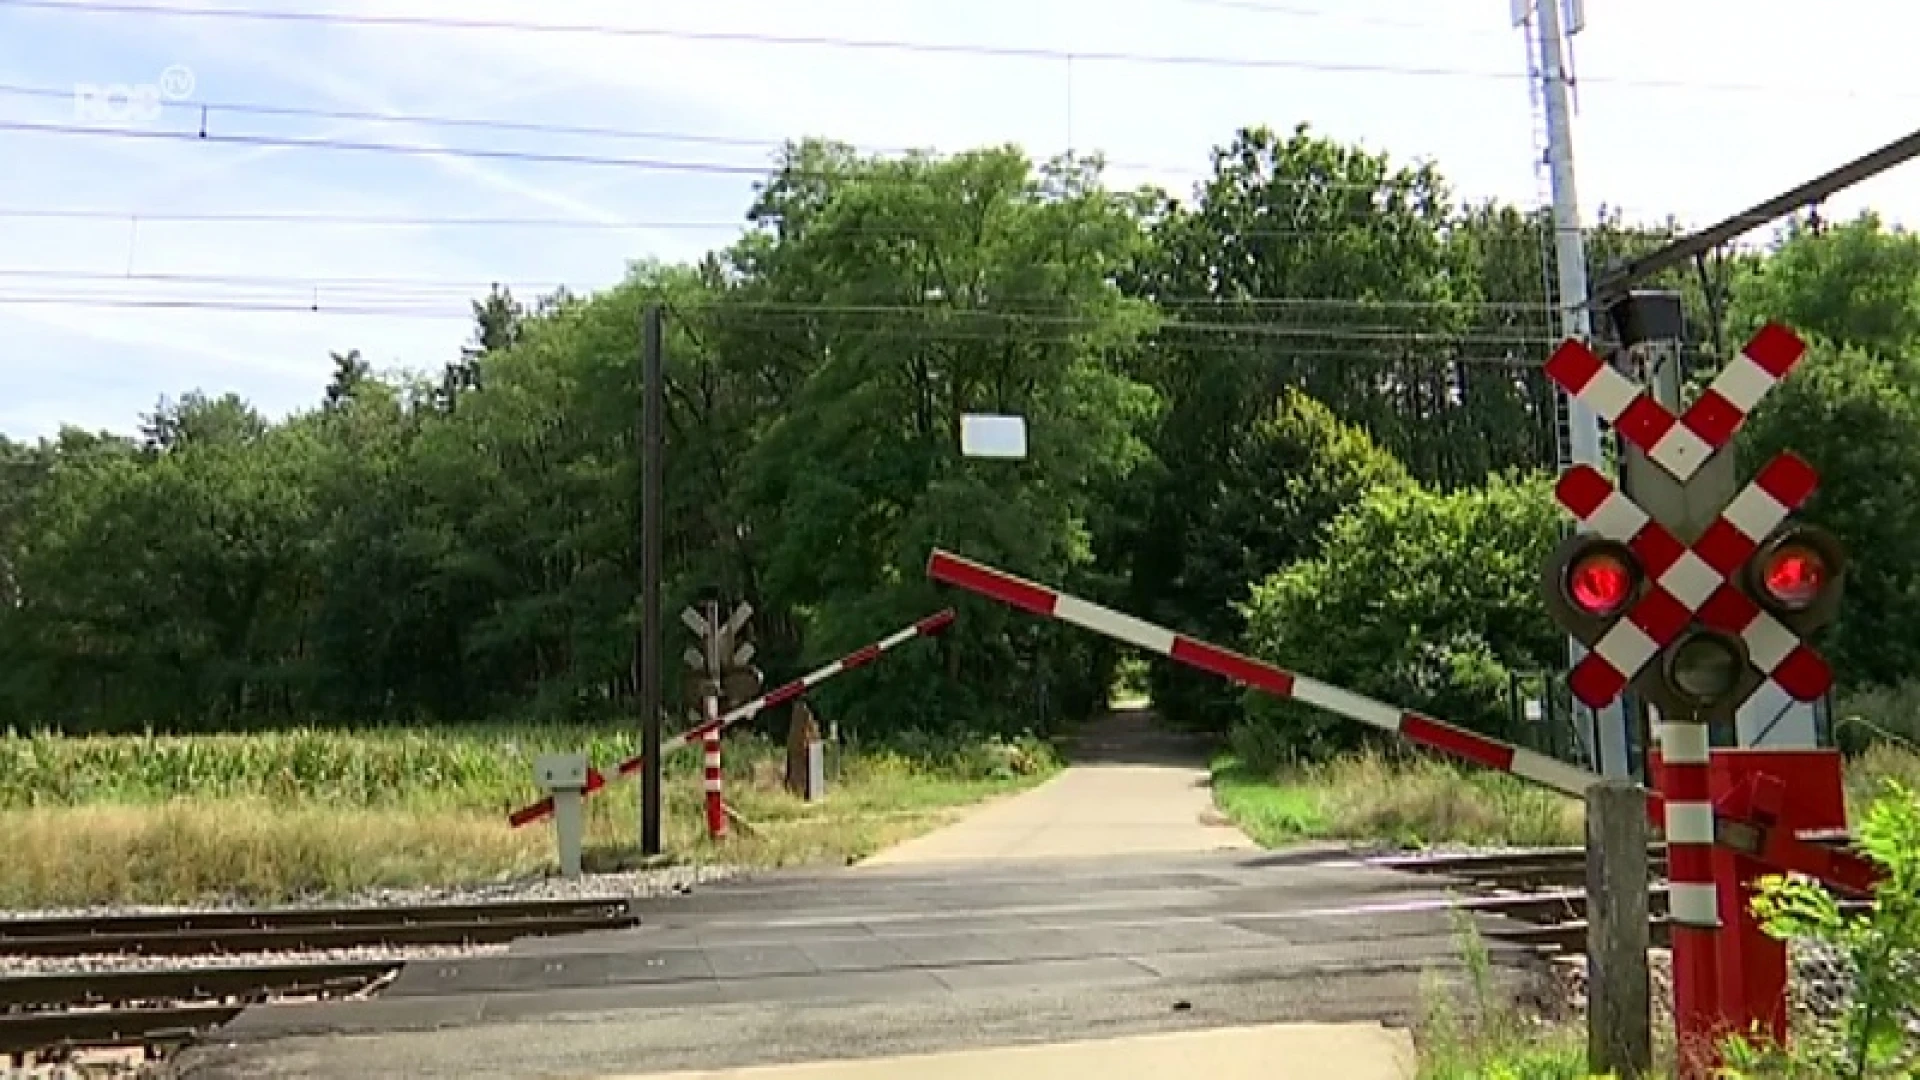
[[1749, 96]]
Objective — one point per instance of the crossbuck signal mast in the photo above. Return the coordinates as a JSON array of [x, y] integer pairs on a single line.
[[1576, 426]]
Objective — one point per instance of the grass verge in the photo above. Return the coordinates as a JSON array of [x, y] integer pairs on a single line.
[[1371, 797], [1405, 801], [308, 814], [1482, 1035]]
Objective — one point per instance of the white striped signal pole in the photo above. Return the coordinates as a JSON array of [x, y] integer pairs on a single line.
[[1425, 731], [1553, 22], [930, 626]]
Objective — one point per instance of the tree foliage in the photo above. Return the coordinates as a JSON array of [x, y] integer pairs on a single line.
[[1423, 599], [1281, 414]]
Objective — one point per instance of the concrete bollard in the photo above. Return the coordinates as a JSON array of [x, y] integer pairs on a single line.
[[564, 776], [816, 771]]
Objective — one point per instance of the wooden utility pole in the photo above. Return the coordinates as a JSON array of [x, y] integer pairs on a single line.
[[653, 480], [1619, 998]]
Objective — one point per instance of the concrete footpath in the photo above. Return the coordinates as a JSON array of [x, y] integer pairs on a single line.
[[1267, 1052], [1130, 790]]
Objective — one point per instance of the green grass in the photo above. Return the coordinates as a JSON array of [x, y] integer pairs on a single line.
[[306, 814], [1374, 798], [1476, 1032], [1405, 802]]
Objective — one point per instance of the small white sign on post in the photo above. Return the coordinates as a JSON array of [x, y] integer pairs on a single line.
[[993, 436]]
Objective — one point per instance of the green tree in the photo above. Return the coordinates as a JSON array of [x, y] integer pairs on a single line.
[[933, 288], [1856, 283], [1424, 600], [1855, 417]]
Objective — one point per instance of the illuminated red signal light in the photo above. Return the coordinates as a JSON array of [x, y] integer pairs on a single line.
[[1793, 575], [1601, 582]]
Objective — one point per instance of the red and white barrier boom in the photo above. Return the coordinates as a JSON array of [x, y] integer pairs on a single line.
[[1422, 730], [928, 627]]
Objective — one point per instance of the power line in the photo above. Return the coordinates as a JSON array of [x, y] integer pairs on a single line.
[[654, 164], [796, 316], [542, 157], [205, 108], [1019, 52], [410, 221], [462, 284]]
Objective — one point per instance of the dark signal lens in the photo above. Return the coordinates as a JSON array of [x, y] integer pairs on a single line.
[[1705, 667], [1794, 575], [1600, 583]]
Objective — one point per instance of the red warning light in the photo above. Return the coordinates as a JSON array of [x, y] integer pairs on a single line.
[[1600, 583], [1794, 576]]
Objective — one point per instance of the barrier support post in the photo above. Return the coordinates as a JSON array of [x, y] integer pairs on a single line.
[[710, 743], [564, 777], [1757, 790]]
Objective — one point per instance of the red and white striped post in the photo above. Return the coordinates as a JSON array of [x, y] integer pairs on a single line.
[[1693, 898], [710, 747], [930, 626]]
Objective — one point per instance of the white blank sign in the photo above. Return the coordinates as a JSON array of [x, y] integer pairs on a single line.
[[990, 436]]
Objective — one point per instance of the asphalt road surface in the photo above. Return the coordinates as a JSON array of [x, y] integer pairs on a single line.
[[915, 957]]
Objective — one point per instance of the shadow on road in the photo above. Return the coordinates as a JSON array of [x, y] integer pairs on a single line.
[[1132, 737]]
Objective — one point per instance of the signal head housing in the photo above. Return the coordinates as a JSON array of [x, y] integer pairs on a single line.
[[1589, 583], [1798, 576]]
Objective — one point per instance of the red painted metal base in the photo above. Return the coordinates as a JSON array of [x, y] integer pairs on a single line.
[[1792, 791]]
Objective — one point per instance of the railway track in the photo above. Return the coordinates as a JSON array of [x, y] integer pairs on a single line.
[[50, 1015], [1541, 893]]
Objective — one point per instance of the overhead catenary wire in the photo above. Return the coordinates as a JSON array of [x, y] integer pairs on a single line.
[[1344, 221], [544, 157], [982, 321], [843, 43], [463, 285], [202, 110]]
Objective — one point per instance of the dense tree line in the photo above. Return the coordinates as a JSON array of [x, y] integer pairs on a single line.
[[1299, 411]]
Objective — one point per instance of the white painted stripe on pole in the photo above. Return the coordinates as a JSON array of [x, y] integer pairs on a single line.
[[1768, 642], [1617, 518], [1346, 703], [1693, 904], [1691, 580], [1627, 647], [825, 673], [899, 636], [1552, 772], [1609, 393], [1754, 512], [1743, 383], [1685, 744], [1689, 823], [1113, 624]]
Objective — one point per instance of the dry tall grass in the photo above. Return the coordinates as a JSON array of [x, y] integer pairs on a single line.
[[319, 814]]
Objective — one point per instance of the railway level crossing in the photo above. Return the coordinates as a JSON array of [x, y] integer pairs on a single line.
[[1693, 615]]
